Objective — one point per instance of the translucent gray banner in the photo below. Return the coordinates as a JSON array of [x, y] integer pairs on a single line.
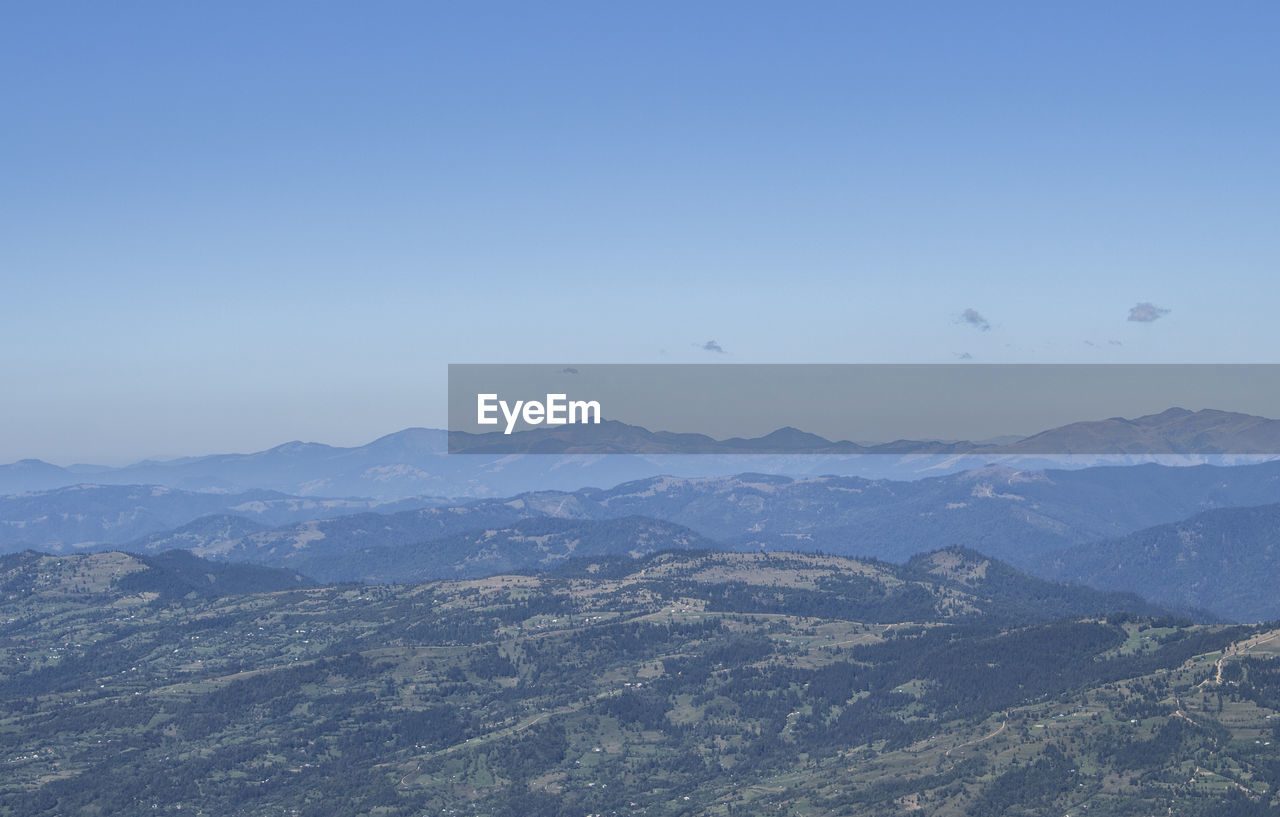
[[864, 409]]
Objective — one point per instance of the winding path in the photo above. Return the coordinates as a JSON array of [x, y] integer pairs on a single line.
[[1003, 724]]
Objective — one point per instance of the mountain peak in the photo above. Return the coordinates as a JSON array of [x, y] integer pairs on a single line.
[[297, 447]]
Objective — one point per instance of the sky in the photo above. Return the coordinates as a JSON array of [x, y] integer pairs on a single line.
[[229, 225]]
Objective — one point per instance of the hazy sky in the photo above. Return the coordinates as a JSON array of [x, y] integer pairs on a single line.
[[229, 225]]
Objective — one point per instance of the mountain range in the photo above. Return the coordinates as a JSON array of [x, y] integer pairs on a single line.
[[1008, 513], [1174, 431], [1034, 520], [1196, 536], [415, 462]]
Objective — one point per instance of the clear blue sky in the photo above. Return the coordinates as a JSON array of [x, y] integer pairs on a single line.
[[228, 225]]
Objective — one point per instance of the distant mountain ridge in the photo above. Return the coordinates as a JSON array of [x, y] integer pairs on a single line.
[[1173, 431], [406, 464], [414, 462]]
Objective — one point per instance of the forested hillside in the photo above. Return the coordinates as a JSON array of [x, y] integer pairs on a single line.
[[679, 684]]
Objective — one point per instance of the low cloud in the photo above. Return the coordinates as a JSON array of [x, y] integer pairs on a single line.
[[964, 356], [712, 346], [974, 318], [1146, 312]]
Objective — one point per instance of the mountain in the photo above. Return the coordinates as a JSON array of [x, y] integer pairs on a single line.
[[34, 475], [1175, 431], [415, 462], [691, 683], [94, 515], [1225, 560]]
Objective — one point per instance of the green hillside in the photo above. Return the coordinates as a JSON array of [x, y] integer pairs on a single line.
[[691, 683]]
